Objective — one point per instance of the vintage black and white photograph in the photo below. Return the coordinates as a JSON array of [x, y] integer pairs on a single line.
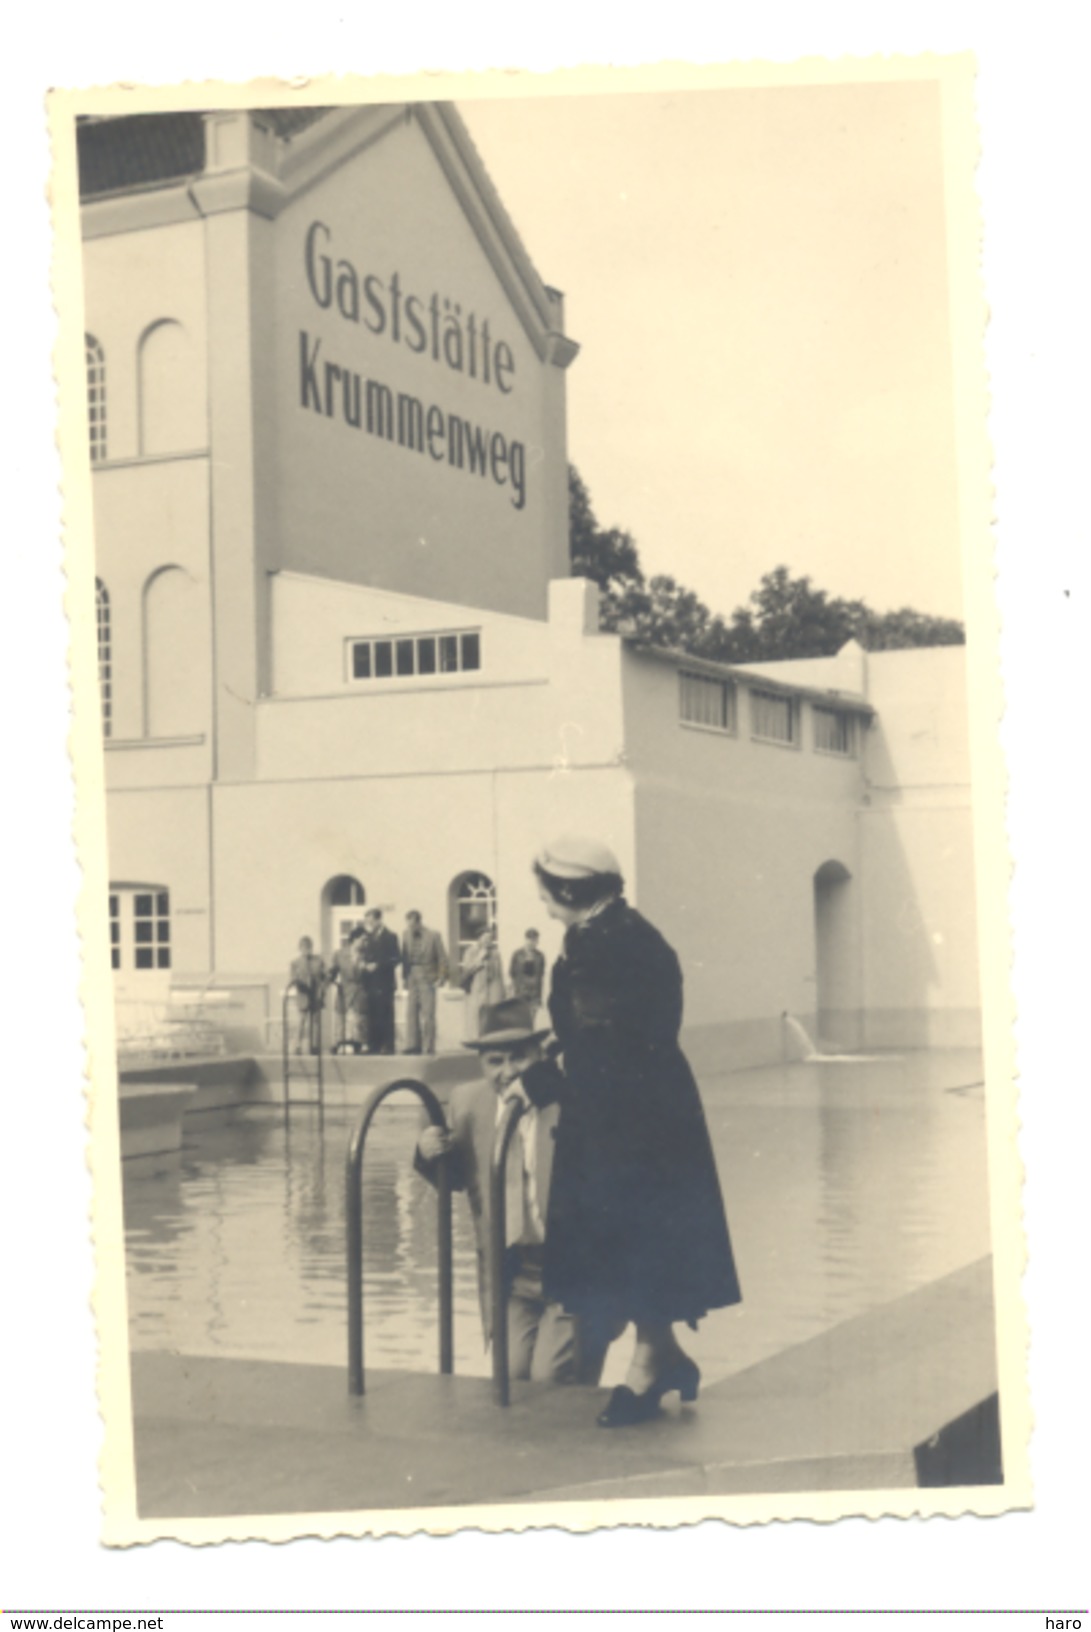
[[531, 597]]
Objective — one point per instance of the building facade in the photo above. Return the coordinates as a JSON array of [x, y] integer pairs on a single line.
[[342, 663]]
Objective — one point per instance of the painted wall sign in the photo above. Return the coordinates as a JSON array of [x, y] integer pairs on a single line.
[[433, 327]]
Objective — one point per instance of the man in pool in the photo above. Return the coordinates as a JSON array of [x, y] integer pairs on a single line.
[[545, 1343]]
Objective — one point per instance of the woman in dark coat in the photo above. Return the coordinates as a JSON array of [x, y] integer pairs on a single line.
[[636, 1228]]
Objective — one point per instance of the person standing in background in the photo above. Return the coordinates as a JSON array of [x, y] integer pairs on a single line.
[[482, 979], [527, 971], [345, 975], [379, 958], [307, 978], [424, 967]]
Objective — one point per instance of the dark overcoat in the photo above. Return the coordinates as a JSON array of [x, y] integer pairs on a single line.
[[381, 949], [636, 1227]]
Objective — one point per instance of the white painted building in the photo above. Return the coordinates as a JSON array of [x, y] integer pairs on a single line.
[[341, 658]]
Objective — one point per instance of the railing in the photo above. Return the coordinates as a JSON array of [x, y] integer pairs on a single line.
[[498, 1242], [354, 1214], [312, 1024], [340, 1010]]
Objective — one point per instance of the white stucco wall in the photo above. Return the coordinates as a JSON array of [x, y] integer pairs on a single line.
[[314, 618], [730, 833], [920, 919]]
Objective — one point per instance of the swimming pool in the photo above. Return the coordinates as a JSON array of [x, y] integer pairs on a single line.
[[846, 1186]]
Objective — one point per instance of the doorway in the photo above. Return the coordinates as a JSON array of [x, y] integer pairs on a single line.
[[837, 960], [342, 911]]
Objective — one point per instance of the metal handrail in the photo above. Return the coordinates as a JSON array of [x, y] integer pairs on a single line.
[[340, 1009], [354, 1217], [498, 1242], [315, 1017]]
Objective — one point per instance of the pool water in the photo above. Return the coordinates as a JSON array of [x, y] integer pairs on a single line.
[[846, 1186]]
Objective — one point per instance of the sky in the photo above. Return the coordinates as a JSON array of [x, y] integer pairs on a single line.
[[757, 280]]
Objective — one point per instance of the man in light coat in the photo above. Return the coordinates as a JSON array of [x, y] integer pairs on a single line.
[[424, 968], [545, 1343]]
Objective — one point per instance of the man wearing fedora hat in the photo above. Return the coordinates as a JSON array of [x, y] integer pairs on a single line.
[[545, 1343]]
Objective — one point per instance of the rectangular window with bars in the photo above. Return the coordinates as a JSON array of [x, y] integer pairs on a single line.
[[706, 702], [774, 718], [407, 656], [834, 732], [151, 929]]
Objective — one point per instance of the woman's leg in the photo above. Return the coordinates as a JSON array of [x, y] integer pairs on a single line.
[[656, 1351]]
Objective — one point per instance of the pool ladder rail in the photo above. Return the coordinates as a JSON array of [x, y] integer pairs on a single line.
[[314, 1038], [354, 1215]]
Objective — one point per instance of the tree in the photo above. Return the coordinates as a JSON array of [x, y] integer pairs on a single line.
[[788, 617], [784, 617], [606, 555]]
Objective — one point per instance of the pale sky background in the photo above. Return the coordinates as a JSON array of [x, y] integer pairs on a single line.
[[757, 279]]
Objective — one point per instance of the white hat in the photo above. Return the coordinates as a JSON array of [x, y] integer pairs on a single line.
[[571, 855]]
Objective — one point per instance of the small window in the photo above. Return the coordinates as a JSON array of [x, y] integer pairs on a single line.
[[406, 656], [96, 397], [105, 672], [471, 651], [140, 929], [834, 732], [773, 718], [151, 930], [706, 702]]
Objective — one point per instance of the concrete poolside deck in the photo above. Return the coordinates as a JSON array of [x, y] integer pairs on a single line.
[[901, 1396]]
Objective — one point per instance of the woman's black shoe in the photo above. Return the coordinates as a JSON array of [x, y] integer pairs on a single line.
[[624, 1408], [683, 1377]]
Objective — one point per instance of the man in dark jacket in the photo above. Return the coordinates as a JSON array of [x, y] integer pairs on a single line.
[[379, 955]]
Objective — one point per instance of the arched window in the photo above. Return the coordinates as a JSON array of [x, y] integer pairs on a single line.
[[343, 900], [172, 399], [471, 902], [174, 656], [96, 397], [102, 623]]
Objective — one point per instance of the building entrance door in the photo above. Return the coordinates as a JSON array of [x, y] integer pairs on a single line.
[[342, 911], [837, 961]]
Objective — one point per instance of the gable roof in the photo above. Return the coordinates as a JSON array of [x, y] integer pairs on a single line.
[[150, 169]]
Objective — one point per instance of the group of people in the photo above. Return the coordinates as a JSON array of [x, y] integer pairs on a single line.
[[613, 1203], [364, 973]]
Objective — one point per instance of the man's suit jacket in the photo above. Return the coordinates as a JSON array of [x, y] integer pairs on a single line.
[[472, 1119], [381, 949], [426, 953]]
